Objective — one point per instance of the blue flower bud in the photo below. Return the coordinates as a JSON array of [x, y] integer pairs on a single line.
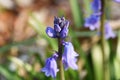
[[57, 20], [64, 31], [57, 28], [50, 32]]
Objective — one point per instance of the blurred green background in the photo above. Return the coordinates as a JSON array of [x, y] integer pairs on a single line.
[[24, 45]]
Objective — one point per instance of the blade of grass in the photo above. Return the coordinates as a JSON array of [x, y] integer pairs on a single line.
[[87, 7], [117, 60], [97, 62], [77, 13]]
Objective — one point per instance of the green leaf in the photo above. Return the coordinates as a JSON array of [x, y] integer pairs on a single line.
[[77, 13], [97, 62]]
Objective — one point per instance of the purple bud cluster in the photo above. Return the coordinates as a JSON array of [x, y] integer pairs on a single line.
[[60, 29]]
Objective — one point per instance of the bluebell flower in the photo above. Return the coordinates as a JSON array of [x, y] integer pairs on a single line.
[[50, 68], [92, 22], [69, 59], [60, 28], [96, 6], [69, 56], [109, 32], [117, 1]]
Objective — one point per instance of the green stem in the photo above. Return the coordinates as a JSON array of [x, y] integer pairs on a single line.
[[102, 29], [60, 59]]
